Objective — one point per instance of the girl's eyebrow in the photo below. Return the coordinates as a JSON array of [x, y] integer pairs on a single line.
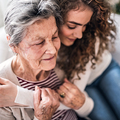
[[76, 23]]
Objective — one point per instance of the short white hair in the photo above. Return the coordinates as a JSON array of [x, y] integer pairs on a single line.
[[22, 13]]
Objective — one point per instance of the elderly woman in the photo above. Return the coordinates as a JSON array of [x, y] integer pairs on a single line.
[[32, 33]]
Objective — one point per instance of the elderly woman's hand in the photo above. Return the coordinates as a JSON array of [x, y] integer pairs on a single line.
[[8, 92], [71, 96], [46, 102]]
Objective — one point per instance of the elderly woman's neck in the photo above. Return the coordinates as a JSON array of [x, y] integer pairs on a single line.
[[25, 71]]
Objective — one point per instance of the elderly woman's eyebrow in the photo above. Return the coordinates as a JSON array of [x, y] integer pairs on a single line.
[[42, 38], [55, 31]]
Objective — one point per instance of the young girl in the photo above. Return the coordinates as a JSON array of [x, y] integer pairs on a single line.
[[86, 35]]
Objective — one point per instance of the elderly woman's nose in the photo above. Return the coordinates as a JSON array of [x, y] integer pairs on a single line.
[[50, 48]]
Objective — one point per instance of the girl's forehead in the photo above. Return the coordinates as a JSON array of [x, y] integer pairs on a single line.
[[78, 16]]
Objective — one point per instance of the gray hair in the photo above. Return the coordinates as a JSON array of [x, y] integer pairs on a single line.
[[22, 13]]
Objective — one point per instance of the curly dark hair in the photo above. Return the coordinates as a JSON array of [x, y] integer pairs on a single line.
[[75, 57]]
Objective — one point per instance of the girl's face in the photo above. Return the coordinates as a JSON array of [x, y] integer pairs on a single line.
[[75, 25]]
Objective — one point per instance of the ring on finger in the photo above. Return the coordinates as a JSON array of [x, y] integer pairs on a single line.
[[62, 95]]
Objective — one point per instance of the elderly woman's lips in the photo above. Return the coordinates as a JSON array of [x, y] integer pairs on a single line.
[[49, 58]]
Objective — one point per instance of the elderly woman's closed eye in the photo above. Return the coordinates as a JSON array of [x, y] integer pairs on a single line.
[[37, 51]]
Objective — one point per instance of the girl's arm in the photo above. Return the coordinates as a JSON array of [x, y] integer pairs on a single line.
[[16, 96]]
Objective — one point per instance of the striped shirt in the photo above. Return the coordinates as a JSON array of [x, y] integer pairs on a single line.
[[52, 82]]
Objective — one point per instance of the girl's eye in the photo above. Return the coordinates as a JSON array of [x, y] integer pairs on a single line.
[[41, 43], [71, 27]]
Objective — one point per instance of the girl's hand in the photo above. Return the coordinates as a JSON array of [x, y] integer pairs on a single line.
[[8, 92], [46, 102], [71, 96]]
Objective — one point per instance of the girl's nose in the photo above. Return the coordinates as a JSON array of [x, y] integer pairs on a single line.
[[78, 33]]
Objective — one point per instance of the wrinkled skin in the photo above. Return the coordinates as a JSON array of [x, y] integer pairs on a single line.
[[74, 98], [46, 102]]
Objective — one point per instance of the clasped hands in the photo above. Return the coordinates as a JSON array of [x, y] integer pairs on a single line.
[[71, 96], [46, 100], [46, 104]]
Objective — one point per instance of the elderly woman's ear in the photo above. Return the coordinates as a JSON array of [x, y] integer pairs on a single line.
[[13, 47]]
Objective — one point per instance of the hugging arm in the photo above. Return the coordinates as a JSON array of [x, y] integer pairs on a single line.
[[20, 100], [10, 93]]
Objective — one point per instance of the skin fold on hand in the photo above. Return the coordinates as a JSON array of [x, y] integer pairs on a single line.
[[74, 98]]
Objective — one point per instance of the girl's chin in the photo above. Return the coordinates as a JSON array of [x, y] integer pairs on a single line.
[[68, 43]]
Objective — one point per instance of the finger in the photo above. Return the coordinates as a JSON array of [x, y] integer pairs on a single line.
[[37, 96], [3, 81], [67, 83], [44, 93], [70, 86], [51, 92], [63, 95], [66, 80], [64, 89], [59, 91]]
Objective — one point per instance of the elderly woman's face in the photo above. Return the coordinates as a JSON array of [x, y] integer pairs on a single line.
[[40, 46]]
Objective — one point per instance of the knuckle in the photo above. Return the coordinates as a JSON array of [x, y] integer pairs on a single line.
[[71, 97], [56, 104], [49, 101], [74, 91]]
